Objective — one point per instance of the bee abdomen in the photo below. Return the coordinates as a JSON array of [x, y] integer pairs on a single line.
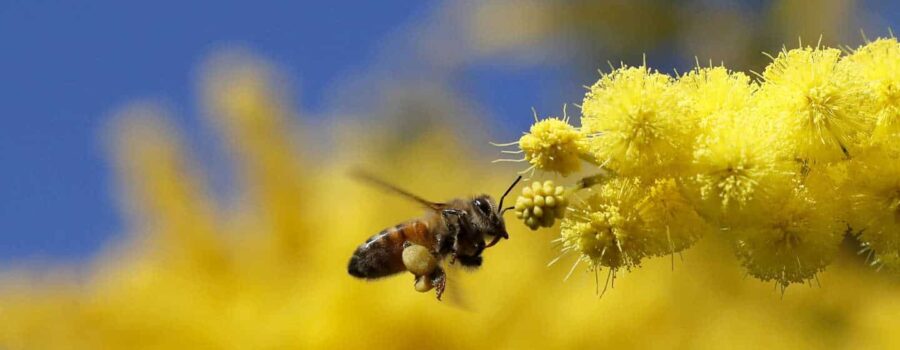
[[380, 256]]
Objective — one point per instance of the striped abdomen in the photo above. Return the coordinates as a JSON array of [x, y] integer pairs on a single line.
[[382, 254]]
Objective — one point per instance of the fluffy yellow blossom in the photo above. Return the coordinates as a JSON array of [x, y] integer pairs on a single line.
[[605, 229], [736, 167], [828, 180], [667, 215], [636, 122], [879, 63], [541, 204], [714, 93], [874, 197], [797, 238], [820, 101], [624, 221], [553, 145], [735, 160]]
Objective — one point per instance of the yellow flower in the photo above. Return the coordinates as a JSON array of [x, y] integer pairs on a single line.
[[736, 167], [636, 122], [243, 99], [797, 238], [605, 228], [553, 145], [669, 217], [166, 196], [874, 196], [820, 101], [879, 63], [714, 93], [624, 221], [828, 180]]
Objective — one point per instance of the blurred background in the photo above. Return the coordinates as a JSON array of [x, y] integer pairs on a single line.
[[173, 173]]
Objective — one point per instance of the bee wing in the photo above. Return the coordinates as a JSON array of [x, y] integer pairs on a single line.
[[455, 293], [377, 182]]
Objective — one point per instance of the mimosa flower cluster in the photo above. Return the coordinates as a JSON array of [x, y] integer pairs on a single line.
[[782, 166]]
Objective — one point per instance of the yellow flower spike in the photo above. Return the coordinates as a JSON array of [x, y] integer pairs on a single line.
[[797, 238], [636, 122], [553, 145], [874, 196], [736, 167], [879, 64], [165, 195], [540, 204], [819, 102], [245, 102], [669, 217]]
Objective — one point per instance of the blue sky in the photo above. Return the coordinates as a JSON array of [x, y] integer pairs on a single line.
[[65, 66]]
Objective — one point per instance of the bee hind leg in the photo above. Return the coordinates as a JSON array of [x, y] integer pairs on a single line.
[[439, 281]]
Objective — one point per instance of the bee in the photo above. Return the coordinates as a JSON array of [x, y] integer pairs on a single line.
[[454, 230]]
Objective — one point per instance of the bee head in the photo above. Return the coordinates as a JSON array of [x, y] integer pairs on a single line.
[[487, 217], [493, 215]]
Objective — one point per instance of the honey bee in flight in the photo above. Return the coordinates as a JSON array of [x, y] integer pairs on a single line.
[[454, 230]]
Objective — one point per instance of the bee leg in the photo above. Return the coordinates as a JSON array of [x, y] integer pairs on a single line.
[[444, 244], [439, 281], [447, 245], [455, 228], [454, 212], [453, 251]]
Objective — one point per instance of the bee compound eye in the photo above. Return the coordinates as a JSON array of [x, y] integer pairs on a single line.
[[482, 206]]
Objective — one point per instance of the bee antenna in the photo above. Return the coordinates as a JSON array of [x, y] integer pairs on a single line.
[[506, 193], [505, 209]]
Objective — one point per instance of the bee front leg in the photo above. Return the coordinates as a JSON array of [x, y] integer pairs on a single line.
[[444, 244], [455, 226]]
